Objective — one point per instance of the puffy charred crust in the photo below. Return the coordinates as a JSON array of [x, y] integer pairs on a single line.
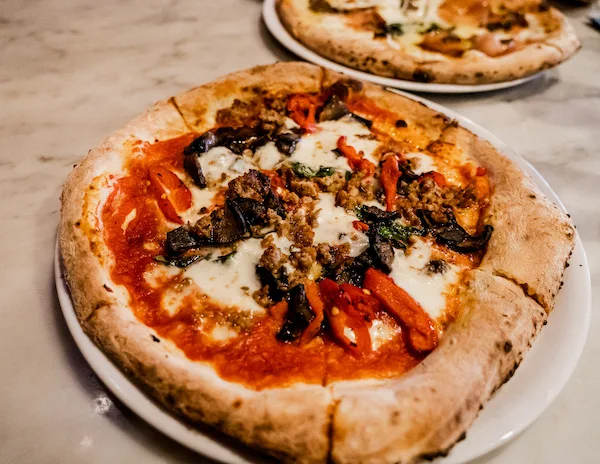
[[452, 235], [298, 317]]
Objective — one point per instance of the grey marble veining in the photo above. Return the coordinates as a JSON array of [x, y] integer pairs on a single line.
[[71, 72]]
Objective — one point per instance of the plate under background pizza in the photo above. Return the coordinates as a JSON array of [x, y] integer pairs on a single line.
[[315, 266], [441, 41]]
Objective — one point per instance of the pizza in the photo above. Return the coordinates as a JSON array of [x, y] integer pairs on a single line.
[[316, 266], [443, 41]]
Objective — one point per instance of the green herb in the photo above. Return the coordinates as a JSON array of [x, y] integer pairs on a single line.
[[394, 29], [302, 170], [348, 175], [224, 258], [433, 27], [395, 231], [184, 261]]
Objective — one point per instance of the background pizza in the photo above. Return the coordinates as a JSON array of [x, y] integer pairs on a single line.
[[317, 267], [460, 42]]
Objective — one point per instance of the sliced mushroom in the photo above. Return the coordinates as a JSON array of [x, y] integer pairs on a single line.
[[298, 317]]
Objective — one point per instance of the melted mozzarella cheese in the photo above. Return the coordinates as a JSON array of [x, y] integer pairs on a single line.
[[335, 226], [424, 163], [415, 11], [409, 273], [342, 5], [232, 282], [267, 156], [221, 333], [381, 332], [130, 217], [316, 150], [220, 165]]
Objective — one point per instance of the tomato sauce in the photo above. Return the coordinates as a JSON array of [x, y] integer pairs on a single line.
[[253, 357]]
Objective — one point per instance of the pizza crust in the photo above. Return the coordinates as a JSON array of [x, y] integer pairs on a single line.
[[425, 412], [199, 106], [398, 420], [532, 237], [331, 38]]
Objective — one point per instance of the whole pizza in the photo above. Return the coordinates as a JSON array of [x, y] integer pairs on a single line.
[[444, 41], [318, 267]]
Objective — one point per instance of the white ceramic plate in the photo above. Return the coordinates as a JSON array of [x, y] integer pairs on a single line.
[[276, 28], [539, 379]]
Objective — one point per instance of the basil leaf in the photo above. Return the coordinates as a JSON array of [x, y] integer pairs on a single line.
[[223, 259], [397, 232], [394, 29], [306, 172], [179, 262]]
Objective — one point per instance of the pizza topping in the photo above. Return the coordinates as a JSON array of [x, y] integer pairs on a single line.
[[299, 315], [356, 161], [451, 234], [333, 110], [306, 172], [294, 219], [492, 45], [445, 42], [390, 173], [347, 323], [422, 334], [303, 110], [317, 305]]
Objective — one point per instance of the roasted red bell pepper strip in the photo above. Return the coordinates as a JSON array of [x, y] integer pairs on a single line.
[[341, 315], [366, 305], [361, 226], [303, 109], [279, 310], [390, 173], [356, 161], [317, 305], [422, 335], [170, 192], [438, 178]]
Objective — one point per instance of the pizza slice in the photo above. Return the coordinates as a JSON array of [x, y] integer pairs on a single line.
[[442, 41], [313, 265]]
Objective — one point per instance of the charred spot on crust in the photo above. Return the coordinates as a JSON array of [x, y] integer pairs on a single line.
[[155, 339], [420, 75], [107, 288], [508, 346], [401, 123], [237, 404]]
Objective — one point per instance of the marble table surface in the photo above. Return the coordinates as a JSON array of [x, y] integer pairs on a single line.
[[73, 71]]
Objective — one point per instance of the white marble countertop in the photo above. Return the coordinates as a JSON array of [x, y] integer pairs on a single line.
[[71, 72]]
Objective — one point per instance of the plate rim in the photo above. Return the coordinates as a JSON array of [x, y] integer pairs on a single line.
[[277, 30], [122, 387]]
